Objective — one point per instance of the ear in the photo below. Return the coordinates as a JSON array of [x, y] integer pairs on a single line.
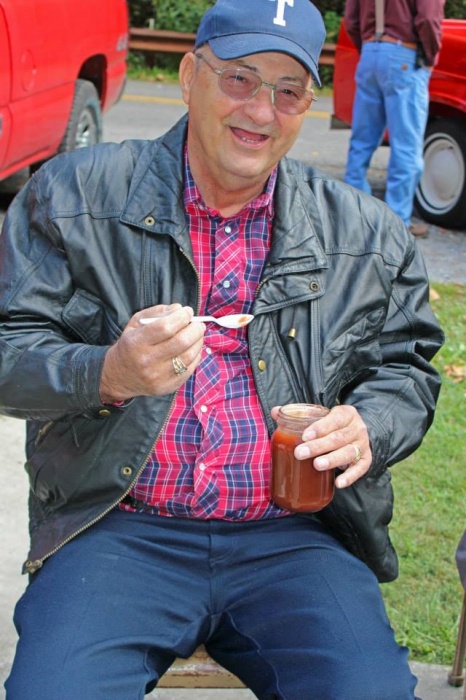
[[186, 75]]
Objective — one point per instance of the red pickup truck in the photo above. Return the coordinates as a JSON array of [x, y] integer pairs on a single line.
[[62, 65], [441, 195]]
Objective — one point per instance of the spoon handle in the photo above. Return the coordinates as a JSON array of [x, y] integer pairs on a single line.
[[144, 321]]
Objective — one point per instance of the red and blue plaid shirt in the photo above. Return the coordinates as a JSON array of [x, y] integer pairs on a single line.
[[212, 459]]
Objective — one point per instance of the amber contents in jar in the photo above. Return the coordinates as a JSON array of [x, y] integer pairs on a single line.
[[296, 484]]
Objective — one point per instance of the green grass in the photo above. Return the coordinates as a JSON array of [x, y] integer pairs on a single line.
[[153, 75], [430, 514], [139, 69]]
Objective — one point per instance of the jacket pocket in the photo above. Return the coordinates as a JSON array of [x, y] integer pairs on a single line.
[[355, 350], [69, 461], [89, 320], [49, 450]]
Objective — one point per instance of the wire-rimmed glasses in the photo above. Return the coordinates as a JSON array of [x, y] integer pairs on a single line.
[[243, 84]]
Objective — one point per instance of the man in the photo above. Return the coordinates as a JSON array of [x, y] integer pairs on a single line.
[[152, 527], [392, 91]]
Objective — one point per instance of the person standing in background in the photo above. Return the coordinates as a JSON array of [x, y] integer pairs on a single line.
[[392, 91]]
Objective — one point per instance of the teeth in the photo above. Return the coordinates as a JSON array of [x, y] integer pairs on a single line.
[[255, 138], [250, 140]]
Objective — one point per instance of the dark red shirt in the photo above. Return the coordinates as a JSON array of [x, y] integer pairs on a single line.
[[412, 21]]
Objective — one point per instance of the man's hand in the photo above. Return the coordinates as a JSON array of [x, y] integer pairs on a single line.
[[339, 440], [140, 363]]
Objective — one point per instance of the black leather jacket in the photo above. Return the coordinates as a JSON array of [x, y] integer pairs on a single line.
[[341, 315]]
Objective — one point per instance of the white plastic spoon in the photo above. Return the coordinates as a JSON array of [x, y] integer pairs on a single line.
[[229, 321]]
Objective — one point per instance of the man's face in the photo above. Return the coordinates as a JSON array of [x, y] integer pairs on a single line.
[[235, 143]]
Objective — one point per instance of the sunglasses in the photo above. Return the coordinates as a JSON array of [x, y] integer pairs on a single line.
[[243, 84]]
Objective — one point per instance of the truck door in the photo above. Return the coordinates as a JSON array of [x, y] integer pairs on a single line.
[[41, 89], [5, 86]]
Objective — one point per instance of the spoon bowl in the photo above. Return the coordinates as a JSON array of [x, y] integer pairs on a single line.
[[228, 321]]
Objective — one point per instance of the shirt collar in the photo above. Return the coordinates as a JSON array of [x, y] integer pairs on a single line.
[[191, 194]]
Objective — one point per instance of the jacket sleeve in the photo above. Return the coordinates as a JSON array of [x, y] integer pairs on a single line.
[[397, 399], [45, 372]]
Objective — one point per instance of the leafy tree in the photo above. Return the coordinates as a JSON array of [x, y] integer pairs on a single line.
[[180, 16], [140, 12], [184, 15]]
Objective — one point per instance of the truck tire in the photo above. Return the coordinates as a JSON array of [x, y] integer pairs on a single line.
[[441, 195], [85, 122]]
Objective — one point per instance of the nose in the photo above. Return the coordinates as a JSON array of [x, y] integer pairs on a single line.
[[261, 107], [272, 87]]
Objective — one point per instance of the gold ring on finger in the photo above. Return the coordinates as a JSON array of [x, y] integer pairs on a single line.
[[179, 366], [357, 453]]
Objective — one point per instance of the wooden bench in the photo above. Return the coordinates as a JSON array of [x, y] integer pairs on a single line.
[[199, 671]]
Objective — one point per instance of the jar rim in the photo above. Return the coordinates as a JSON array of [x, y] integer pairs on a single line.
[[302, 411]]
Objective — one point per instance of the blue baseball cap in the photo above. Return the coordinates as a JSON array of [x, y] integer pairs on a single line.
[[236, 28]]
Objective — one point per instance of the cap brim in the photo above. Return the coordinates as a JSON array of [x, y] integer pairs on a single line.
[[238, 45]]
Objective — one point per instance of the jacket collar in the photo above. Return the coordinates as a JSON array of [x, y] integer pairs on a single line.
[[155, 203], [298, 226]]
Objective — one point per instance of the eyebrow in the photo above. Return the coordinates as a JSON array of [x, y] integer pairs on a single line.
[[287, 79]]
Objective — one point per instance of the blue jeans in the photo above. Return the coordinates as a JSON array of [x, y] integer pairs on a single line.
[[279, 602], [390, 93]]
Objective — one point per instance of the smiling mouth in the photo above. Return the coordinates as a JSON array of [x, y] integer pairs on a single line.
[[249, 136]]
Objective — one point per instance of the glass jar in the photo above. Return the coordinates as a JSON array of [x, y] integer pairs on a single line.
[[296, 484]]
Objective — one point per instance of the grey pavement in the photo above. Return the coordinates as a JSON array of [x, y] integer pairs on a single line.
[[445, 255]]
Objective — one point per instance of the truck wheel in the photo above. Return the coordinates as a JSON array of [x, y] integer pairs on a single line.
[[441, 194], [85, 122]]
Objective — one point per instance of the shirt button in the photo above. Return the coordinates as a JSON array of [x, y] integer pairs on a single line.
[[227, 229], [226, 284], [202, 466], [208, 351], [204, 409]]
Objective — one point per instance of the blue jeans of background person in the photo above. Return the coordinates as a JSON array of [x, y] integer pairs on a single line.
[[390, 93], [278, 602]]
